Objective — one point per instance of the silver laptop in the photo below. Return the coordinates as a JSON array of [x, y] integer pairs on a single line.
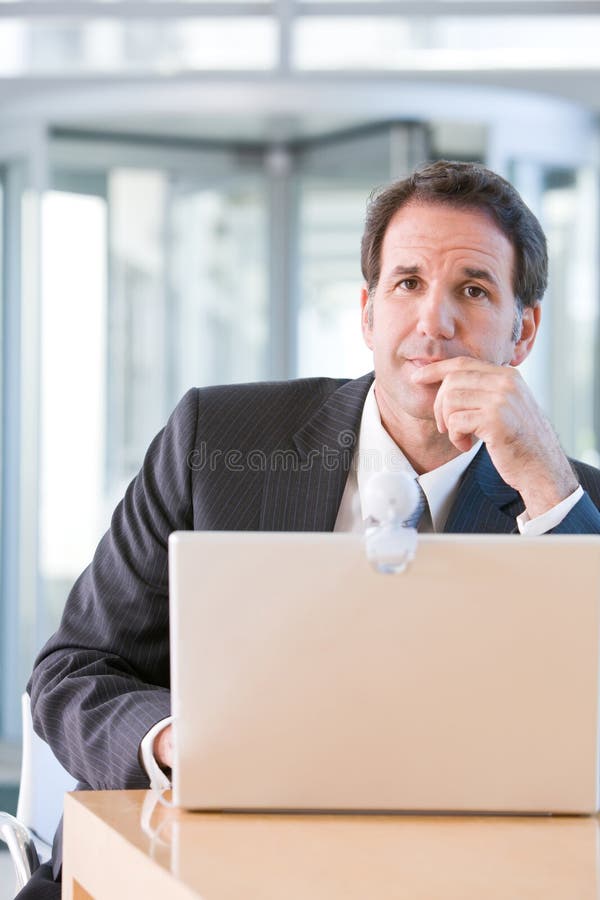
[[302, 679]]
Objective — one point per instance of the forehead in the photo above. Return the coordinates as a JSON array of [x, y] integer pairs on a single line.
[[437, 233]]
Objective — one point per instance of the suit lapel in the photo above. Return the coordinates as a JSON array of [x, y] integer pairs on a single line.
[[485, 503], [306, 496]]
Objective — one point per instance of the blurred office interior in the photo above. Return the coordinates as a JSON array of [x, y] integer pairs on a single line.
[[183, 186]]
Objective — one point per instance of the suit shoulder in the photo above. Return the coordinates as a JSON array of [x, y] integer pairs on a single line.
[[274, 389], [303, 393], [259, 413]]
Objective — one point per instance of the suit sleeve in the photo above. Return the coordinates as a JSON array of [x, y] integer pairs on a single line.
[[102, 680], [584, 518]]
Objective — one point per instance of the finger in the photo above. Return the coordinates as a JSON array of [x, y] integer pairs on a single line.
[[462, 428], [450, 400], [473, 379], [437, 371], [438, 411], [474, 390]]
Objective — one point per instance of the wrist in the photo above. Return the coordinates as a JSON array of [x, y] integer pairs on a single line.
[[149, 761], [162, 748], [542, 497]]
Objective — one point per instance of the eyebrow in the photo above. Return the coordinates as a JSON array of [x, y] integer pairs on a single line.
[[482, 274], [406, 270]]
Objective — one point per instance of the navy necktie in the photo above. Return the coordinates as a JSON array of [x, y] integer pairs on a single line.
[[416, 517]]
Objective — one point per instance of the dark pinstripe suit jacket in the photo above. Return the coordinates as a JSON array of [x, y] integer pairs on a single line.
[[252, 457]]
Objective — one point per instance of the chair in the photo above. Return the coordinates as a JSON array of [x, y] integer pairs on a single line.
[[43, 785]]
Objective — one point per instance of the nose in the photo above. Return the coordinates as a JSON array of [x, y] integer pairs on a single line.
[[436, 314]]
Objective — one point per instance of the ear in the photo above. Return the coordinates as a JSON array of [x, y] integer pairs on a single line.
[[364, 309], [532, 316]]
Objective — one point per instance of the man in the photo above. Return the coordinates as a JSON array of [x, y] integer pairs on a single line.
[[455, 267]]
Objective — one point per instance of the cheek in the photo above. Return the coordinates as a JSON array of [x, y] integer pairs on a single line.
[[495, 348], [391, 326]]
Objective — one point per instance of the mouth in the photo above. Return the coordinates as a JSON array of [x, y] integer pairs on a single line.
[[420, 361]]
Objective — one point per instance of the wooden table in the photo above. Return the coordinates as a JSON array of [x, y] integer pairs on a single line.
[[109, 854]]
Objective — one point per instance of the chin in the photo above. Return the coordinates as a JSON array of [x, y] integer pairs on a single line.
[[424, 413], [403, 397], [419, 403], [417, 408]]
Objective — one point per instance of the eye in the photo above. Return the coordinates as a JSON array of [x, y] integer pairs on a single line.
[[408, 284], [475, 292]]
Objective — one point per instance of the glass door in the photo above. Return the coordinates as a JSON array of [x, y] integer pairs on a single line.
[[154, 279]]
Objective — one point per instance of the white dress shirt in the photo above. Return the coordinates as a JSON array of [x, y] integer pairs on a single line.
[[377, 452]]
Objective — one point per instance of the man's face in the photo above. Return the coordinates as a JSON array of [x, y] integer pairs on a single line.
[[445, 290]]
